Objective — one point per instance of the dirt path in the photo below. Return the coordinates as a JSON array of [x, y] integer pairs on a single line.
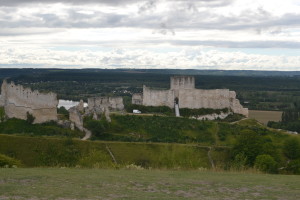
[[111, 154], [210, 158], [239, 121]]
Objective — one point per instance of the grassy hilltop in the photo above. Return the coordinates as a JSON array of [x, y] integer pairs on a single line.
[[55, 183], [158, 142]]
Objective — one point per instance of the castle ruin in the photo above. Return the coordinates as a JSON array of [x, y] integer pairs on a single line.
[[183, 93], [18, 101]]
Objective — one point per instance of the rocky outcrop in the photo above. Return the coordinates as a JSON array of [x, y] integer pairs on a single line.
[[18, 101]]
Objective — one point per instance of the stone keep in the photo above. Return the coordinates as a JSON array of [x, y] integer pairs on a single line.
[[184, 92], [17, 101]]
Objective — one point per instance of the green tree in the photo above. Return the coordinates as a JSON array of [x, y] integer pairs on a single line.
[[291, 149], [265, 163], [248, 143]]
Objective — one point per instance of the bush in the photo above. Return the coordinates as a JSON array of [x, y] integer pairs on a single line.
[[97, 127], [294, 167], [291, 149], [6, 161], [30, 118], [18, 126], [240, 162], [96, 159], [265, 163], [250, 144], [151, 109], [2, 114], [186, 112], [62, 111]]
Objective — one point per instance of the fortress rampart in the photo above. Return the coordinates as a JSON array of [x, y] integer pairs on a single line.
[[17, 101], [183, 90]]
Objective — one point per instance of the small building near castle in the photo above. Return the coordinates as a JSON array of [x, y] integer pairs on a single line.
[[184, 94]]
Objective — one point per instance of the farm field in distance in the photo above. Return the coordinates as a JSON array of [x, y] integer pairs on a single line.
[[265, 116], [68, 183]]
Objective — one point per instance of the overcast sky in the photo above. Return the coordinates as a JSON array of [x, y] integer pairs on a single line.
[[194, 34]]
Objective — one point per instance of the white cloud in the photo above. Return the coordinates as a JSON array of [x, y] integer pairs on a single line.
[[31, 28], [195, 58]]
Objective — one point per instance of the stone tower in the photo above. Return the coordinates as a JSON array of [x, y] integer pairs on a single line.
[[182, 82]]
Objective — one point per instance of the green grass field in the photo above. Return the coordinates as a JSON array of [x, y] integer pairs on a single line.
[[66, 183], [265, 116]]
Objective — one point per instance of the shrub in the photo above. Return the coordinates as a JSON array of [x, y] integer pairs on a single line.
[[30, 118], [6, 161], [186, 112], [294, 166], [96, 159], [249, 143], [291, 149], [239, 162], [265, 163], [2, 114], [62, 111]]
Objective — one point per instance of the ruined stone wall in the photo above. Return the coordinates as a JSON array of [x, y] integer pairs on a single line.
[[76, 117], [19, 100], [183, 90], [137, 99], [158, 97], [215, 99], [100, 104]]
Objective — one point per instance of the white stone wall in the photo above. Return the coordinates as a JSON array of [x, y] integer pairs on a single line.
[[182, 87], [196, 98], [137, 99], [19, 100], [182, 82], [158, 97], [99, 104]]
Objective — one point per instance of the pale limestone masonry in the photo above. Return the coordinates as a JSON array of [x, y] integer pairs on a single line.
[[76, 117], [17, 101], [101, 104], [183, 90], [137, 98]]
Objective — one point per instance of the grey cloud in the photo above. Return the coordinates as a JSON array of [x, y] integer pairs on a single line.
[[189, 43], [184, 16], [234, 44], [213, 3]]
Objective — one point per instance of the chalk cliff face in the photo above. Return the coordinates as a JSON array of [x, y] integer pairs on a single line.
[[17, 101], [184, 92]]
